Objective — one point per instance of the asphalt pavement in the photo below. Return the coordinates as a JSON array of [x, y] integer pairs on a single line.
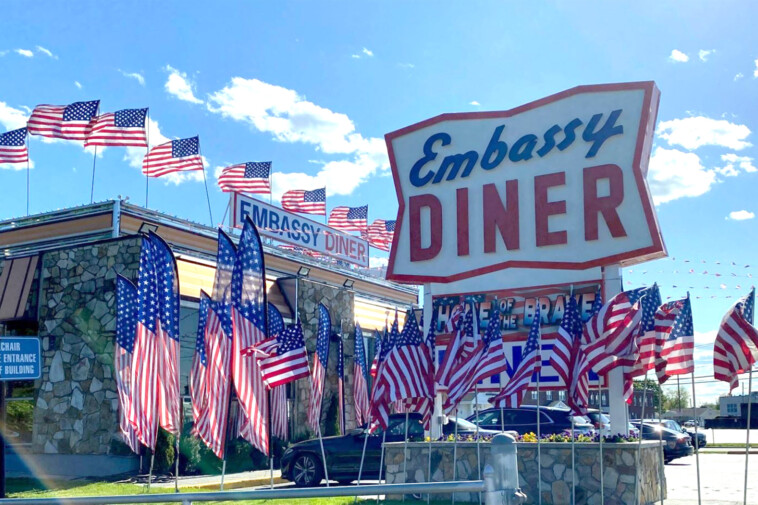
[[722, 478]]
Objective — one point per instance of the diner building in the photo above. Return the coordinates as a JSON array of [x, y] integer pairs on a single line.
[[57, 282]]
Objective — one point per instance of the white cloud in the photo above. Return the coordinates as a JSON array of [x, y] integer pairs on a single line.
[[474, 103], [364, 52], [135, 155], [133, 75], [406, 65], [180, 86], [740, 215], [11, 118], [735, 164], [378, 262], [739, 76], [27, 53], [78, 84], [47, 52], [703, 54], [698, 131], [755, 72], [290, 118], [675, 174], [678, 56]]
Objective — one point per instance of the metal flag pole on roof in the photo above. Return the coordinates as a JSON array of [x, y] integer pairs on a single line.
[[92, 188], [205, 182], [147, 150], [28, 169]]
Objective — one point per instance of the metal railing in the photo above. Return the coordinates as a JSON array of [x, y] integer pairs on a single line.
[[474, 486]]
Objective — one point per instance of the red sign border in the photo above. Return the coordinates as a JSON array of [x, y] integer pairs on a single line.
[[639, 166]]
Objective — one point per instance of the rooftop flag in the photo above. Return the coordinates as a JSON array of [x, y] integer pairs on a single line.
[[305, 202], [13, 146], [69, 122], [121, 128], [126, 328], [380, 234], [174, 156], [349, 218], [250, 177]]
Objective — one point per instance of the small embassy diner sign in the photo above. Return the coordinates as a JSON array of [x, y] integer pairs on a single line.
[[557, 183]]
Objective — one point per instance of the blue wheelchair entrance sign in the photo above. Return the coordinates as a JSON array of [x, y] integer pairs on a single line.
[[19, 358]]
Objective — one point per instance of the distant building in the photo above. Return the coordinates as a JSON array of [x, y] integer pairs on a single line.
[[700, 414], [736, 405]]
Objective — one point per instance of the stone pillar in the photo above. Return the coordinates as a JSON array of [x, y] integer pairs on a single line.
[[76, 409], [340, 303]]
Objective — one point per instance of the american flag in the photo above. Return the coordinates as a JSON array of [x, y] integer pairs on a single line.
[[198, 385], [380, 234], [126, 329], [567, 358], [487, 360], [173, 156], [144, 413], [250, 177], [513, 393], [305, 202], [249, 316], [213, 426], [320, 360], [279, 426], [167, 336], [282, 358], [455, 351], [676, 337], [612, 333], [341, 385], [349, 218], [378, 339], [70, 122], [736, 346], [403, 374], [13, 146], [360, 380], [121, 128], [379, 401], [647, 339]]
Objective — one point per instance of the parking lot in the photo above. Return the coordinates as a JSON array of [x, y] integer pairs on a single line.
[[721, 478]]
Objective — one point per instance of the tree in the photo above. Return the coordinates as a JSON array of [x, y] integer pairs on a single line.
[[676, 399]]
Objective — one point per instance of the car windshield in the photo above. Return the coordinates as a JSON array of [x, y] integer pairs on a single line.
[[492, 417], [581, 420], [463, 424]]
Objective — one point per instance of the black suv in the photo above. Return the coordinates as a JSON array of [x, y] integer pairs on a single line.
[[675, 444], [524, 420]]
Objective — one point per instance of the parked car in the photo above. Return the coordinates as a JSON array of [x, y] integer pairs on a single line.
[[602, 424], [691, 423], [699, 441], [524, 420], [675, 444], [302, 463]]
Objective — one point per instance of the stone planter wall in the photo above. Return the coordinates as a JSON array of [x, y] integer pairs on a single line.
[[340, 305], [76, 409], [556, 470]]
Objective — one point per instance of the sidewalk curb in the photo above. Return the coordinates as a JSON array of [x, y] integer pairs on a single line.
[[228, 485]]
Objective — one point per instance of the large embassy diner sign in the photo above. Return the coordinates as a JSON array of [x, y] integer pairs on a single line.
[[293, 229], [557, 183]]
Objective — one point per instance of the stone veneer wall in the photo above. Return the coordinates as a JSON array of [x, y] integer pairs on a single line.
[[76, 408], [556, 475], [340, 305]]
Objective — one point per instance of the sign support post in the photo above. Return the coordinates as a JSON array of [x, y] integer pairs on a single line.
[[617, 408]]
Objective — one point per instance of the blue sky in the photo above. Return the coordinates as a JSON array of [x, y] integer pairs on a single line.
[[315, 86]]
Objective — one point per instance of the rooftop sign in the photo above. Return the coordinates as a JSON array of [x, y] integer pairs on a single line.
[[557, 183], [299, 231]]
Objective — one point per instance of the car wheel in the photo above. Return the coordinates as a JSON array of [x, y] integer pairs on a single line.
[[306, 471]]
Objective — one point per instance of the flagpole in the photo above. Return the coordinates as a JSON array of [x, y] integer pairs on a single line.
[[405, 451], [539, 423], [28, 169], [573, 461], [600, 439], [226, 430], [92, 188], [176, 452], [205, 182], [660, 443], [150, 472], [697, 444], [147, 176], [366, 434], [381, 461], [455, 450], [747, 436], [270, 431]]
